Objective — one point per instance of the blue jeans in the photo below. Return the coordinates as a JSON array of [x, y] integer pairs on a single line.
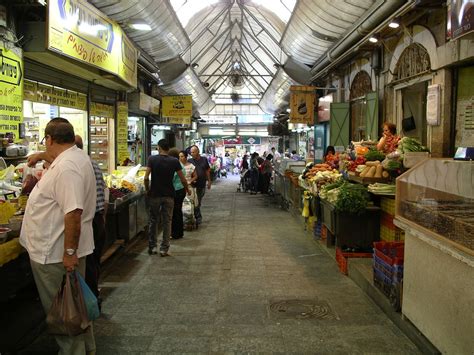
[[200, 192], [161, 211]]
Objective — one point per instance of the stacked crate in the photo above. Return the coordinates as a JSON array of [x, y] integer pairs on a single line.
[[389, 232]]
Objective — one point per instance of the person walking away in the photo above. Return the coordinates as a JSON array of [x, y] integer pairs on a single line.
[[161, 168], [203, 171], [245, 163], [254, 173], [266, 173], [57, 225], [177, 227]]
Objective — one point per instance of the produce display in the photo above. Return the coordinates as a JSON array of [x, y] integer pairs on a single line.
[[346, 197], [382, 189], [318, 175]]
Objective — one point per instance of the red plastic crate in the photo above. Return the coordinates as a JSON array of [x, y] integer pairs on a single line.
[[390, 252], [341, 259]]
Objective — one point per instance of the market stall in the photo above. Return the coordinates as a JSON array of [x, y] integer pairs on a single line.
[[435, 204]]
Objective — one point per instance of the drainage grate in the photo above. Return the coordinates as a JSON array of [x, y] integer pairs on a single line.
[[303, 309]]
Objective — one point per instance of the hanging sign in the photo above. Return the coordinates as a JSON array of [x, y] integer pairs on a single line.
[[46, 94], [178, 109], [460, 18], [122, 132], [302, 102], [11, 91], [80, 31]]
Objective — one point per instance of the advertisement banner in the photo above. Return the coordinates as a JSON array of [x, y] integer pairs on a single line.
[[460, 18], [102, 110], [302, 102], [11, 91], [80, 31], [122, 132], [51, 95], [178, 107]]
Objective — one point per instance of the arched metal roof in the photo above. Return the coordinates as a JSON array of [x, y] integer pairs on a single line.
[[242, 50]]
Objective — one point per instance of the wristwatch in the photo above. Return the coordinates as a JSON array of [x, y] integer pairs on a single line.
[[70, 252]]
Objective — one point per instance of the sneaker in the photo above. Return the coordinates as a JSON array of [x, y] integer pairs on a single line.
[[153, 251], [164, 253]]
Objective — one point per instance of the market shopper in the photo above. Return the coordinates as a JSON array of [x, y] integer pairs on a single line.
[[389, 141], [266, 170], [57, 225], [177, 227], [276, 155], [203, 171], [254, 173], [98, 227], [160, 192], [189, 173]]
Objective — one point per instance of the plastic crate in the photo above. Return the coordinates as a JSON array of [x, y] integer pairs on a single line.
[[390, 252], [341, 259], [394, 273], [387, 205], [391, 235]]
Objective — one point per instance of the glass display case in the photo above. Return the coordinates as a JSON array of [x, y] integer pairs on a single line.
[[438, 195], [99, 135]]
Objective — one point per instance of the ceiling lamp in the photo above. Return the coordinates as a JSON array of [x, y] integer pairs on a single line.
[[395, 23], [140, 26], [373, 39], [195, 65]]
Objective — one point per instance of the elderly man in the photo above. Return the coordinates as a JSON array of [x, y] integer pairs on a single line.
[[57, 226], [204, 173]]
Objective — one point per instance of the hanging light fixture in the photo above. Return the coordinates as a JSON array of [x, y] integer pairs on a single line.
[[373, 39], [395, 23]]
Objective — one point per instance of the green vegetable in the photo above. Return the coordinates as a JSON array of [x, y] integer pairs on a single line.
[[393, 165], [374, 154], [352, 198], [407, 144]]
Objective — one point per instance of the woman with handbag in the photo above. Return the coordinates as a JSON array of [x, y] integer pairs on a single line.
[[389, 141]]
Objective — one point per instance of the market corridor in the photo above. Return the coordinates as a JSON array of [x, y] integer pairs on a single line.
[[226, 286]]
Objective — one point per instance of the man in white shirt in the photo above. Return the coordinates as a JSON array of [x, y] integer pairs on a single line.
[[276, 155], [57, 226]]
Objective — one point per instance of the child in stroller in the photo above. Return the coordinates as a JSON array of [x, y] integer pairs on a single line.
[[245, 183]]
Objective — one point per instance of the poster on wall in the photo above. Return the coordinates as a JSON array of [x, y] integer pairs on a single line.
[[177, 109], [11, 92], [460, 18], [302, 102], [433, 105], [122, 132], [324, 104]]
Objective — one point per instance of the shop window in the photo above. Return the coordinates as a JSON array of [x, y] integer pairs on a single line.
[[360, 87], [414, 111]]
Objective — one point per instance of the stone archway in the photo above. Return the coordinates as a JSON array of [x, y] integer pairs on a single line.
[[421, 37], [361, 85]]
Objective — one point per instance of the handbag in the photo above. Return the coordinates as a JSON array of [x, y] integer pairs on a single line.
[[68, 314], [90, 300]]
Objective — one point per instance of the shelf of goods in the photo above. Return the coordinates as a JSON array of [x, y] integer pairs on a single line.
[[435, 204]]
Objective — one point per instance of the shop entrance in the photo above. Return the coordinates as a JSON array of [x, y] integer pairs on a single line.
[[413, 123]]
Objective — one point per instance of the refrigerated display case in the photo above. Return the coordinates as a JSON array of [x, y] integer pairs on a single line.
[[434, 206]]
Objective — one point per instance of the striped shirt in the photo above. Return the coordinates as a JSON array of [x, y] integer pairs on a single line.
[[99, 178]]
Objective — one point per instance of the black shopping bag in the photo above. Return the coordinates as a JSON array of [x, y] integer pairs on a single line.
[[68, 313]]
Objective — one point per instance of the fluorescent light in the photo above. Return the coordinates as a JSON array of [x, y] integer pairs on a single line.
[[373, 39], [393, 24], [140, 26]]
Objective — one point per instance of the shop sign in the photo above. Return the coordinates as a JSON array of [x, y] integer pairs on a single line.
[[122, 132], [302, 102], [78, 30], [11, 91], [460, 18], [51, 95], [233, 141], [178, 109], [251, 140], [102, 110], [433, 105]]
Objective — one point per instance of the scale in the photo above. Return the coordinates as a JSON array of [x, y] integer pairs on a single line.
[[464, 153]]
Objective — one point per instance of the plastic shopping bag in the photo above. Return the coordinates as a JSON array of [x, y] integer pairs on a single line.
[[68, 314], [90, 300]]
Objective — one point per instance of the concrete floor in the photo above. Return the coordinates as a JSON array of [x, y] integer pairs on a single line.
[[249, 280]]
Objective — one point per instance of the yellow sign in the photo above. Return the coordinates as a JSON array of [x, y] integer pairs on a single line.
[[122, 132], [178, 108], [302, 101], [51, 95], [102, 110], [11, 91], [80, 31]]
